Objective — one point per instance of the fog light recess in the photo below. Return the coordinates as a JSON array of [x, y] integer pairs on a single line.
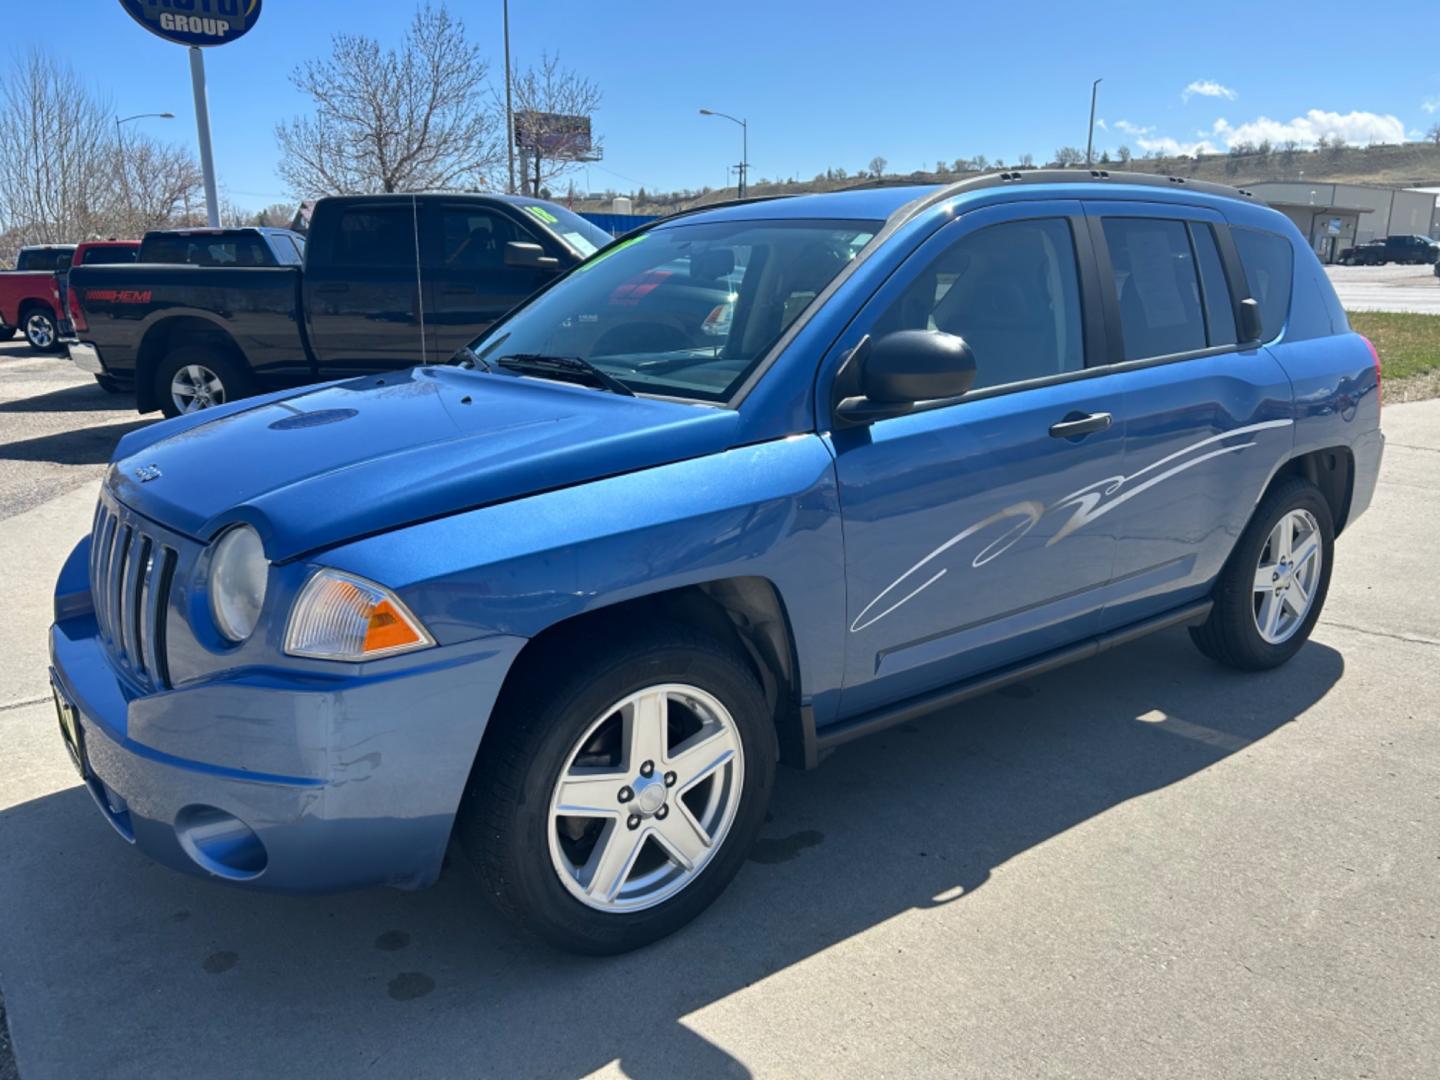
[[220, 843]]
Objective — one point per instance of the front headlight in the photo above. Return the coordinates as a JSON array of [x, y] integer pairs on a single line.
[[239, 572], [339, 616]]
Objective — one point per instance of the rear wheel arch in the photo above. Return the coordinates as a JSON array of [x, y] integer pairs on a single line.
[[167, 335], [1331, 469]]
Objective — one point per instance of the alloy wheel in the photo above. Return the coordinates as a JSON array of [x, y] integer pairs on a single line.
[[195, 387], [1287, 576], [40, 330], [646, 798]]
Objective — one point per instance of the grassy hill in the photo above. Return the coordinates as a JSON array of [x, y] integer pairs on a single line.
[[1406, 165]]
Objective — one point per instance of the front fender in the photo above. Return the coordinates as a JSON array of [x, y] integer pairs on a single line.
[[770, 510]]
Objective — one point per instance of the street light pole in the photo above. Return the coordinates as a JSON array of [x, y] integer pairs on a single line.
[[744, 147], [1090, 140], [202, 128], [509, 108], [120, 145]]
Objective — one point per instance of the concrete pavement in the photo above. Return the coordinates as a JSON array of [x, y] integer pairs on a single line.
[[1387, 288], [1142, 866]]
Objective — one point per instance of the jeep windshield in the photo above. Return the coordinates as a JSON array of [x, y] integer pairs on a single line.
[[683, 311]]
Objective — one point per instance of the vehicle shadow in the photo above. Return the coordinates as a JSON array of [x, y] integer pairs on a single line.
[[84, 398], [432, 983], [82, 446]]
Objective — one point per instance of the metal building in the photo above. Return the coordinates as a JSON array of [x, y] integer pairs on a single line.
[[1337, 216]]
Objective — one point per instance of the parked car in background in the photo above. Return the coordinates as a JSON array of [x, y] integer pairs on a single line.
[[223, 247], [1397, 249], [568, 600], [385, 281], [33, 295]]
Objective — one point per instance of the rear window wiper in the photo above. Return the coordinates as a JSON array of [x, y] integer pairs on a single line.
[[577, 368]]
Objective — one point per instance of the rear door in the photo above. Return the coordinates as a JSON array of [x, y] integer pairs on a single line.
[[1206, 418], [470, 286], [362, 291], [960, 555]]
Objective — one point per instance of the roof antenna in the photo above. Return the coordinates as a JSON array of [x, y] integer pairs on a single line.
[[419, 282]]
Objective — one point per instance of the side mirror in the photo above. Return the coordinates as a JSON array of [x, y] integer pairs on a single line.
[[896, 372], [1251, 329], [526, 256]]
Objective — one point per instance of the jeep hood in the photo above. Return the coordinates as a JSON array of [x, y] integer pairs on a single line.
[[316, 467]]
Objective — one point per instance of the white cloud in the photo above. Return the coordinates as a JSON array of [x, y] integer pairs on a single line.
[[1207, 88], [1101, 124], [1431, 105], [1356, 128], [1168, 147], [1132, 129]]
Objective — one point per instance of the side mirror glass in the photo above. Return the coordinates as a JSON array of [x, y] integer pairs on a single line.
[[901, 369], [1251, 329], [527, 256]]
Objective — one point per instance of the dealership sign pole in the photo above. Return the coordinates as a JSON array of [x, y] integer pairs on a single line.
[[198, 24]]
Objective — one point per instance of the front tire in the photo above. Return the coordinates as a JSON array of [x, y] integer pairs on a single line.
[[192, 378], [1270, 594], [614, 801]]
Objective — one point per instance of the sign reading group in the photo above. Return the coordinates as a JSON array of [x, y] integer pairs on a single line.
[[195, 22]]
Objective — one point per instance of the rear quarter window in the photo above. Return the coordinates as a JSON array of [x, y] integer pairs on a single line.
[[1269, 263]]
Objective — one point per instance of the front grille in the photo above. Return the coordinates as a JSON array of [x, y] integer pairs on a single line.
[[130, 574]]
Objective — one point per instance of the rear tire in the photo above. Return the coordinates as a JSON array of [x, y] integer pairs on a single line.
[[40, 329], [1269, 596], [192, 378], [563, 723]]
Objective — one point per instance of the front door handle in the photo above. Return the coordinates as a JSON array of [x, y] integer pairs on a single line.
[[1076, 424]]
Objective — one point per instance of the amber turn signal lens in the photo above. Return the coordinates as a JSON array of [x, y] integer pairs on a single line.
[[339, 616]]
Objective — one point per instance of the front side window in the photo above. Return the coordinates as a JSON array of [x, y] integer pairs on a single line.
[[686, 310], [45, 259], [475, 239], [1269, 265], [1011, 291], [1157, 286]]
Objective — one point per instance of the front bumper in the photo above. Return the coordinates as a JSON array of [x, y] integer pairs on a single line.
[[377, 764], [85, 357]]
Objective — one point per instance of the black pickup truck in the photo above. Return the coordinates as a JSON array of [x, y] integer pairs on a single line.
[[1399, 249], [386, 281]]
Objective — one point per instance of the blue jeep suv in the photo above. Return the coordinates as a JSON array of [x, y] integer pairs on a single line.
[[735, 490]]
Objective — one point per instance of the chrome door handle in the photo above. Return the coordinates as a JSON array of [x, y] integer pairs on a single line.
[[1076, 424]]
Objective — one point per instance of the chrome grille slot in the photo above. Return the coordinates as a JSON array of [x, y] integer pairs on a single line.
[[131, 569]]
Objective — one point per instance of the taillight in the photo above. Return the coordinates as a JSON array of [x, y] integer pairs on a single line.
[[1375, 355], [77, 317]]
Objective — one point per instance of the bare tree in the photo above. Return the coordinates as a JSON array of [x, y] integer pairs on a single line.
[[877, 166], [1123, 153], [402, 119], [1027, 161], [56, 135], [276, 215], [1067, 156], [1434, 134], [551, 97], [159, 182]]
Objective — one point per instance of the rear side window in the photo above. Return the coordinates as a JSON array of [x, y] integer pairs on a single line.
[[1157, 285], [376, 236], [1269, 265], [1011, 291], [109, 256], [45, 259], [1219, 311]]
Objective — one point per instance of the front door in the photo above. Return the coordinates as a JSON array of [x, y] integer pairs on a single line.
[[961, 541]]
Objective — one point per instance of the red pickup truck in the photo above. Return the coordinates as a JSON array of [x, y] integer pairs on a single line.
[[32, 296]]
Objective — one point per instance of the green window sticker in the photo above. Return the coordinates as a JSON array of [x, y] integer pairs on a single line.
[[543, 214], [621, 246]]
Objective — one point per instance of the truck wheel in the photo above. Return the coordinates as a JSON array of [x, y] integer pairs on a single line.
[[192, 378], [621, 792], [1270, 593], [40, 329]]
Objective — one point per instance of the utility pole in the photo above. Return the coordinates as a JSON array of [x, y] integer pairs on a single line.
[[744, 147], [509, 108], [1090, 140]]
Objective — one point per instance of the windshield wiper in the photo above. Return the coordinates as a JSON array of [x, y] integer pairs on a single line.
[[578, 368]]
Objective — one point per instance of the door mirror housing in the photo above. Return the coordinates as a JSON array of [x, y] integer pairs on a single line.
[[526, 256], [897, 372], [1251, 328]]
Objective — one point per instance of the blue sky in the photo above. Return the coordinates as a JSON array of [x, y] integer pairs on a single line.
[[828, 84]]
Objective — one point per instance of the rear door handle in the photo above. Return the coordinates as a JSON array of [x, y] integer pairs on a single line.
[[1076, 424]]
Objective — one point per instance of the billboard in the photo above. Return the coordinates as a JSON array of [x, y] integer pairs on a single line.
[[553, 135], [195, 22]]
